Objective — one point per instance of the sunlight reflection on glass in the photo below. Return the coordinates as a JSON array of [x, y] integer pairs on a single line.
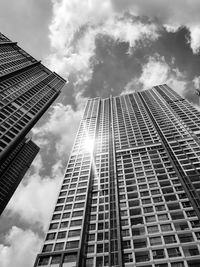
[[89, 145]]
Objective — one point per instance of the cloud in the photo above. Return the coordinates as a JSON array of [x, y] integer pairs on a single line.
[[35, 197], [20, 248], [196, 82], [75, 26], [60, 127], [195, 38], [171, 13], [156, 71]]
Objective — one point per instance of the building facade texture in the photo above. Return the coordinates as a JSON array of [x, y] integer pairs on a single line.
[[131, 191], [13, 169], [27, 89]]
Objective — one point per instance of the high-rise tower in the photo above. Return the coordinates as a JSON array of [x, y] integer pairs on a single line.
[[27, 89], [131, 190]]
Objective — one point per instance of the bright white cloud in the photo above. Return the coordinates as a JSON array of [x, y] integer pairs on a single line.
[[62, 124], [196, 82], [20, 249], [127, 30], [156, 71], [75, 26], [195, 38]]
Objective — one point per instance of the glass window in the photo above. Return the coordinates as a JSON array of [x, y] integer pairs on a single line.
[[186, 237], [99, 261], [79, 205], [76, 223], [89, 262], [51, 236], [148, 209], [158, 254], [53, 226], [152, 229], [163, 217], [61, 234], [128, 257], [64, 224], [170, 239], [70, 258], [166, 227], [59, 246], [155, 241], [90, 249], [177, 264], [173, 252], [55, 259], [142, 256], [140, 243], [47, 248], [126, 244], [43, 261], [72, 244], [150, 218], [73, 233]]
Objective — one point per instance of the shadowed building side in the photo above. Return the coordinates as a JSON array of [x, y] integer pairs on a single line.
[[27, 90], [14, 168]]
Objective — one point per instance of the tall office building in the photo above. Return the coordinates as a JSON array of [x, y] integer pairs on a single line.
[[131, 190], [27, 89]]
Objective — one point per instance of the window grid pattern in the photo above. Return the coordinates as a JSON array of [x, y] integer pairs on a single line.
[[132, 125], [185, 111], [155, 212], [23, 97], [159, 226]]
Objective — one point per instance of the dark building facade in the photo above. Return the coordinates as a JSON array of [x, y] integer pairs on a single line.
[[131, 190], [13, 169], [27, 89]]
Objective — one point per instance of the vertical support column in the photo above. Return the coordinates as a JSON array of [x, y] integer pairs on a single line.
[[115, 233]]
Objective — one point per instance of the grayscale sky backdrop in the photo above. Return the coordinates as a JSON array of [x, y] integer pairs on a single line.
[[101, 47]]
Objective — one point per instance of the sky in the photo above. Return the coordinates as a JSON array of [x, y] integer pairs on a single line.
[[102, 48]]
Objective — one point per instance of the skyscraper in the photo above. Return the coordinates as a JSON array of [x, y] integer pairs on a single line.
[[27, 89], [131, 190]]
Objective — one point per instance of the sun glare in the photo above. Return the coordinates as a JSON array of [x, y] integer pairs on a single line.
[[89, 145]]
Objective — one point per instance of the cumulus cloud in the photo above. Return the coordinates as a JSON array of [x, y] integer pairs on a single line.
[[156, 71], [75, 26], [172, 14], [62, 125], [20, 248], [196, 82], [195, 38]]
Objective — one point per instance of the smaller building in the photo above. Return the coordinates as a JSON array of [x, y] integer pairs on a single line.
[[14, 168]]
